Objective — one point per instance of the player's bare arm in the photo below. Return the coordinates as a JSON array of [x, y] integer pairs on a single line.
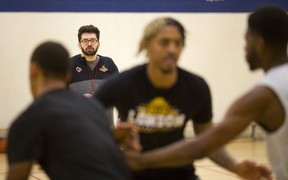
[[19, 171]]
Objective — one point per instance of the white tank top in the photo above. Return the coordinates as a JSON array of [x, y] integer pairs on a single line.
[[277, 141]]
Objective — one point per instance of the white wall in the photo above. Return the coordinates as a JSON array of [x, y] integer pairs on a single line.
[[214, 49]]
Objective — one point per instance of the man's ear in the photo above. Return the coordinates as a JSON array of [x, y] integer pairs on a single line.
[[260, 44], [33, 70]]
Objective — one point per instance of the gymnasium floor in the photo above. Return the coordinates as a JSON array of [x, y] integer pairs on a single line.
[[244, 148]]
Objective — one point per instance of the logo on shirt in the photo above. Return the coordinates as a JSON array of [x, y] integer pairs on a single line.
[[78, 69], [103, 69], [157, 116]]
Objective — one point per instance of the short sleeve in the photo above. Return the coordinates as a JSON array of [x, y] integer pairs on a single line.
[[204, 113], [25, 140]]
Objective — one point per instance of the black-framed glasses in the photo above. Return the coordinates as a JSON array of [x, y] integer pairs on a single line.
[[86, 41]]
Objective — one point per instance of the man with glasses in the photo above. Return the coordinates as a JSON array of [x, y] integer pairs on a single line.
[[89, 69]]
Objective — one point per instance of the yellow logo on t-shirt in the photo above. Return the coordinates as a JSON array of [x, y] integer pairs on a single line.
[[157, 116]]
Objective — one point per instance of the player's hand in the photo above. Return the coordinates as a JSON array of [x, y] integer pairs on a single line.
[[126, 135], [253, 171], [133, 160]]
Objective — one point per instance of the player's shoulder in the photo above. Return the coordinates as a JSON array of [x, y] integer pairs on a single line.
[[128, 76], [191, 77], [30, 114], [134, 72]]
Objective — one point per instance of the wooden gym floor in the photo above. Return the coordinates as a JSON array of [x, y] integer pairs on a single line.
[[243, 148]]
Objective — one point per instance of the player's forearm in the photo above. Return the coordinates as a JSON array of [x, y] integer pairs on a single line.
[[177, 154], [224, 159], [16, 176], [19, 171], [185, 152]]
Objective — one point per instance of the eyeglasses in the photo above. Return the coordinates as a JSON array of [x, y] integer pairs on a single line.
[[86, 41]]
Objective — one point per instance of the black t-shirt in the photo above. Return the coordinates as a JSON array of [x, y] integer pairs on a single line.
[[161, 114], [70, 137]]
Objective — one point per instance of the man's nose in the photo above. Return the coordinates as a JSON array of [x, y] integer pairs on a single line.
[[172, 47]]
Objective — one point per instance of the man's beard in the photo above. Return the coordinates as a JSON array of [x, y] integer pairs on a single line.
[[253, 60], [167, 71], [89, 53]]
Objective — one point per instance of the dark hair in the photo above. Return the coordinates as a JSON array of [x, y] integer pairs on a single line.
[[271, 23], [53, 59], [88, 29], [155, 26]]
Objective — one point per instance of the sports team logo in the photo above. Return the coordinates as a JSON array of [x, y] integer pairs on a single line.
[[103, 69], [157, 115], [78, 69]]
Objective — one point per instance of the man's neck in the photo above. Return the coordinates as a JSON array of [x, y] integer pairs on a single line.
[[160, 79], [273, 61], [47, 86]]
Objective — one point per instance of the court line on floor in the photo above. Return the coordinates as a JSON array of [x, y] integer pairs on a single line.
[[216, 171]]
